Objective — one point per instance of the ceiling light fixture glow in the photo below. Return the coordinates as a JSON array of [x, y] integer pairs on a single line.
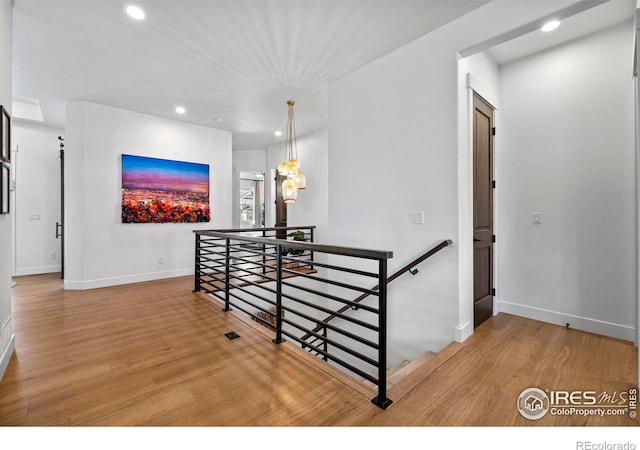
[[180, 110], [278, 133], [550, 26], [135, 12]]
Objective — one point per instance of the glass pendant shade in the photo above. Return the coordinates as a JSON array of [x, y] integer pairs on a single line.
[[289, 191], [291, 166], [300, 181], [283, 169]]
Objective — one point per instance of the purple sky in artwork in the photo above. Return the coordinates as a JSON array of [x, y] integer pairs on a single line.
[[139, 172]]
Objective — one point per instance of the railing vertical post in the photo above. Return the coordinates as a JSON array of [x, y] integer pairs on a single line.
[[264, 256], [227, 260], [278, 338], [381, 400], [311, 237], [326, 345], [196, 279]]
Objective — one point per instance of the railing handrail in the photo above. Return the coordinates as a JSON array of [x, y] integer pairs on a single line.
[[395, 275], [242, 230], [301, 245]]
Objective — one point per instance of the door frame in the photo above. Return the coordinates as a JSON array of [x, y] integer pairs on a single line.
[[480, 104], [468, 85]]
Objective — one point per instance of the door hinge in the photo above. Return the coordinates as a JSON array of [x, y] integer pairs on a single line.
[[493, 184], [493, 238], [493, 131], [493, 292]]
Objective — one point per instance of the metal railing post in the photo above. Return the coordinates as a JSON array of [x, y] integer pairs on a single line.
[[264, 255], [196, 278], [278, 338], [326, 345], [311, 237], [381, 400], [227, 275]]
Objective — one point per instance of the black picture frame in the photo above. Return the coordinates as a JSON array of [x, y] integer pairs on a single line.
[[5, 189], [5, 136]]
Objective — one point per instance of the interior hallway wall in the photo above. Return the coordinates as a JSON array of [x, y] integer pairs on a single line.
[[393, 151], [102, 251], [567, 140], [7, 339]]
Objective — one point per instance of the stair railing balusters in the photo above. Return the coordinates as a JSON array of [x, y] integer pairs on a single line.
[[325, 345], [196, 279], [227, 274], [278, 338], [381, 400], [291, 307]]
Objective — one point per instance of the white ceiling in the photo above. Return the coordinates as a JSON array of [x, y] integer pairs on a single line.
[[232, 64], [589, 21]]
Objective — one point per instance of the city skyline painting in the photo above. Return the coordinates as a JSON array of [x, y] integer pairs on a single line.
[[158, 190]]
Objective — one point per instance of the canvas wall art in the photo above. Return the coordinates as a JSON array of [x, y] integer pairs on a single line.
[[164, 191]]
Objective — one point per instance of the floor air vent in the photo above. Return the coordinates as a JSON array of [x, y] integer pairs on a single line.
[[232, 335]]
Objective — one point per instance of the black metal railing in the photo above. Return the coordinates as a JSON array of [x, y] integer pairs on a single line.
[[410, 267], [287, 284]]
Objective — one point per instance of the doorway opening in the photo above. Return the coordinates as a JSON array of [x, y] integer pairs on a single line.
[[251, 206]]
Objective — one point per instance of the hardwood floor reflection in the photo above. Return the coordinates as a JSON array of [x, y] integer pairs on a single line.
[[156, 354]]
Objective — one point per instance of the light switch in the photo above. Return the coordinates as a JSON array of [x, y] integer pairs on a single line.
[[34, 217], [536, 218], [417, 217]]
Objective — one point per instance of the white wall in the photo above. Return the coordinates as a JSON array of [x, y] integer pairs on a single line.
[[6, 229], [311, 206], [37, 206], [567, 134], [637, 120], [395, 122], [102, 251]]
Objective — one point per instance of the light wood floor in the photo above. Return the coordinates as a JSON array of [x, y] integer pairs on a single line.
[[155, 354]]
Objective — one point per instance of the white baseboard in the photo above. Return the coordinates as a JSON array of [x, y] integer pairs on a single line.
[[128, 279], [9, 343], [614, 330], [37, 270], [462, 332]]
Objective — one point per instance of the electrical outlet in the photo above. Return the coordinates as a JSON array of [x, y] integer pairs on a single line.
[[52, 255], [417, 217], [160, 260], [536, 218]]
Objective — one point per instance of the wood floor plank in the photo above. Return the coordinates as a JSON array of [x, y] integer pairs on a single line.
[[156, 354]]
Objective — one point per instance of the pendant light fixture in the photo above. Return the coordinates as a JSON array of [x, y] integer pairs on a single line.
[[290, 167]]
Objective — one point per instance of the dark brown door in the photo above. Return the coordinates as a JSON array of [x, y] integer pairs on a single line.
[[482, 210], [281, 208]]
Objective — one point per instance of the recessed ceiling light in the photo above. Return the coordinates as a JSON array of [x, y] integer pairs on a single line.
[[278, 133], [135, 12], [218, 119], [550, 26], [180, 110]]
